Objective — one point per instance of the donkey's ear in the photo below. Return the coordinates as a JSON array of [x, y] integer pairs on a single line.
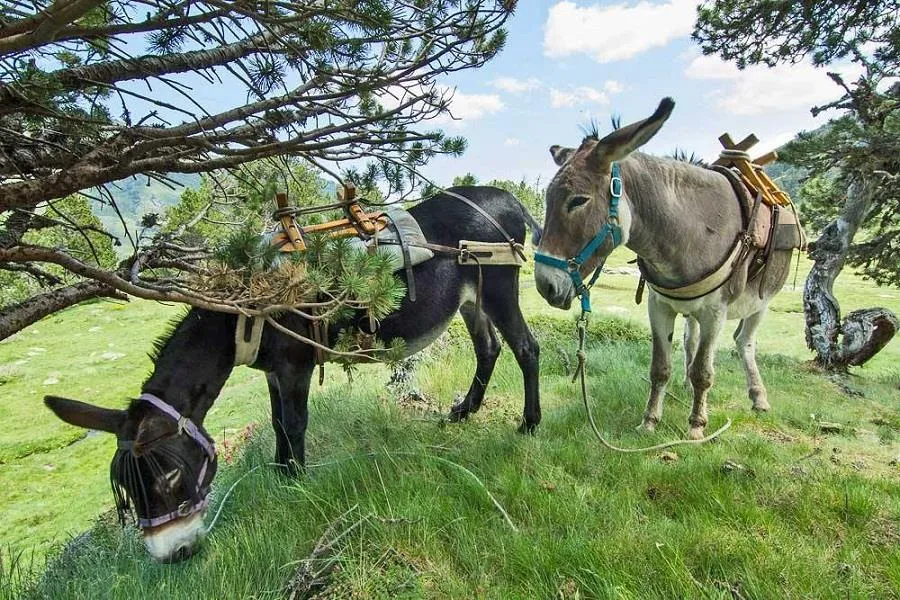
[[625, 140], [85, 415], [561, 155]]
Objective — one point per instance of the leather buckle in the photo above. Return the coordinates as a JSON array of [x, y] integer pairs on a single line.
[[615, 187]]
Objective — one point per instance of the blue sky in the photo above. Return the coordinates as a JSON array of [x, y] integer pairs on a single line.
[[569, 61]]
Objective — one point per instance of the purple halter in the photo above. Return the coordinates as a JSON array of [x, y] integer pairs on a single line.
[[185, 425]]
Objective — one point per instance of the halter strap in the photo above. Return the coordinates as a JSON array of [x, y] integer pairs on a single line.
[[610, 229], [185, 425]]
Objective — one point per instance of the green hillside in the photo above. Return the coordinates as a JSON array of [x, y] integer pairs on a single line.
[[138, 196], [779, 508]]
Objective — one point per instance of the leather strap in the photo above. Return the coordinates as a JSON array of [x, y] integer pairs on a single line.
[[639, 292], [516, 246], [767, 252], [247, 339], [703, 286], [407, 261], [319, 334]]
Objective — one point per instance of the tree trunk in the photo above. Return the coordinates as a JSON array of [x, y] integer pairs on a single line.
[[19, 316], [864, 332]]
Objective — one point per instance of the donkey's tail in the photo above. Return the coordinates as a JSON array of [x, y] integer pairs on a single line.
[[536, 230]]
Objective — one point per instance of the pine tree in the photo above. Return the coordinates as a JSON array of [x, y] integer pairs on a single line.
[[92, 93], [852, 163]]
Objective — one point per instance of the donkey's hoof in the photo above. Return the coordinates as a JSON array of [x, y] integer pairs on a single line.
[[696, 433], [760, 403], [290, 468], [457, 414], [526, 427], [646, 426]]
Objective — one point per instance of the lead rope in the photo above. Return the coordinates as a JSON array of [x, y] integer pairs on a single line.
[[580, 372]]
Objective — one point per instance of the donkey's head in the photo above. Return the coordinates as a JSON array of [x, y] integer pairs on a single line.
[[578, 202], [161, 471]]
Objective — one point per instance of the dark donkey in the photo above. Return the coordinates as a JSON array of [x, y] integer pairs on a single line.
[[166, 476]]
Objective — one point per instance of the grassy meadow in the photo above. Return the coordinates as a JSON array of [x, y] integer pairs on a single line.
[[402, 505]]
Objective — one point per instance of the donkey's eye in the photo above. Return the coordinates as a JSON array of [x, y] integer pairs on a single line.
[[167, 482], [576, 201]]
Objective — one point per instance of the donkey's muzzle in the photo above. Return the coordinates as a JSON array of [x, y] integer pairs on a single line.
[[554, 285], [176, 540]]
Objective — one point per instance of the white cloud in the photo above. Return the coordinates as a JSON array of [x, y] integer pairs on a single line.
[[759, 89], [511, 141], [613, 87], [584, 95], [773, 141], [463, 107], [471, 107], [618, 31], [516, 86]]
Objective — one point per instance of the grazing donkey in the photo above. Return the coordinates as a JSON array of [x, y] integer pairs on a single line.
[[685, 224], [165, 462]]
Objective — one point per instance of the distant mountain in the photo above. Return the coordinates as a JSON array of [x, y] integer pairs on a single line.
[[138, 196]]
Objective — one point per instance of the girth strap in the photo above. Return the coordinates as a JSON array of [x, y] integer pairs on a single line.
[[247, 337], [407, 261], [516, 246], [740, 252]]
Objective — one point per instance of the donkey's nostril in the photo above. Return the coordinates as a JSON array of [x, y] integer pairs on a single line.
[[182, 553], [552, 290]]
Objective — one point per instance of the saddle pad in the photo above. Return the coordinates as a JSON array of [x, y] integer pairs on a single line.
[[788, 234], [388, 241], [487, 254]]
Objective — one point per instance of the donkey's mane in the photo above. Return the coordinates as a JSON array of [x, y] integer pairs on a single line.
[[592, 129], [160, 343]]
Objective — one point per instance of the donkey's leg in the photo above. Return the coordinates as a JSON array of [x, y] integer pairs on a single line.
[[291, 382], [282, 444], [691, 339], [745, 341], [702, 371], [487, 349], [662, 327], [507, 315]]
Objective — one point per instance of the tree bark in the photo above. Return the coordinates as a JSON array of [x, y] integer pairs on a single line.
[[864, 332], [18, 316]]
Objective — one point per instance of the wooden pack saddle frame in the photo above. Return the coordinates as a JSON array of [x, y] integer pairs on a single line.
[[753, 188], [366, 226], [356, 223]]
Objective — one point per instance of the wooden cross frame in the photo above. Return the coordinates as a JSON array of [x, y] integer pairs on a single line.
[[358, 222], [752, 172]]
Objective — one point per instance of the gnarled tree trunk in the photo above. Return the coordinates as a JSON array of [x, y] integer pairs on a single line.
[[863, 333]]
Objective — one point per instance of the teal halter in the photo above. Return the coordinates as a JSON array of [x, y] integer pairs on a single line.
[[610, 228]]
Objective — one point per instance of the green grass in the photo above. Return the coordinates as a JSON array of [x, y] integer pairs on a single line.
[[808, 515]]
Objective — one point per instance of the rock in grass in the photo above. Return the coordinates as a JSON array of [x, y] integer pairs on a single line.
[[826, 427], [730, 466], [668, 456]]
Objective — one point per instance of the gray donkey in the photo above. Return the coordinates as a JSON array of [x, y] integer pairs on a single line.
[[686, 225]]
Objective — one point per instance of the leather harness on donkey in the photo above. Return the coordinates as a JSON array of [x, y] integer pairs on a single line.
[[770, 223], [368, 227]]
